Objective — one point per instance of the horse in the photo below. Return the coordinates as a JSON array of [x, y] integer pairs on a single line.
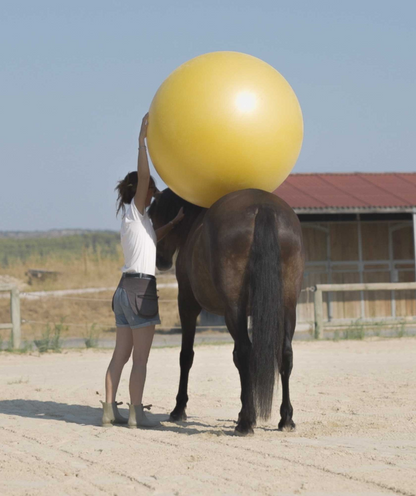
[[241, 257]]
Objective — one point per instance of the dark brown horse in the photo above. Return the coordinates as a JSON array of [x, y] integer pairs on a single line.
[[241, 257]]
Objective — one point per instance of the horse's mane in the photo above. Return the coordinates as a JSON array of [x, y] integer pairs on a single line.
[[168, 205]]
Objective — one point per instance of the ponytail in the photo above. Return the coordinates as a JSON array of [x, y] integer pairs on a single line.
[[126, 189]]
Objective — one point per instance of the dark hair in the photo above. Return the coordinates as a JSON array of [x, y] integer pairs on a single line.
[[126, 189]]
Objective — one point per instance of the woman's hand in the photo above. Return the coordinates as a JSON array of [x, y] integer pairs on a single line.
[[143, 129], [179, 217], [167, 228]]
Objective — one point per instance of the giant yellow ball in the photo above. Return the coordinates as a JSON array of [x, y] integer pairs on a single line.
[[221, 122]]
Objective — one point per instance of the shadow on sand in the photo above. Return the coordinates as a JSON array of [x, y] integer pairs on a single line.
[[87, 415]]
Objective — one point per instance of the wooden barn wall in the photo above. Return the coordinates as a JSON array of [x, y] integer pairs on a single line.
[[353, 252]]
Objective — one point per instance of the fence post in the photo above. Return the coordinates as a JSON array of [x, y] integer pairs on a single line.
[[15, 314], [318, 307]]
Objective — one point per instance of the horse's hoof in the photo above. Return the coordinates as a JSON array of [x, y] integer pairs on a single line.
[[288, 426], [242, 432], [178, 417]]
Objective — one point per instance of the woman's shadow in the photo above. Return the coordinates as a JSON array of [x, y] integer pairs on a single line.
[[87, 415]]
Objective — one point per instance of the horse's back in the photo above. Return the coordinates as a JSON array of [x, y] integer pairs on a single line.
[[236, 213], [224, 241]]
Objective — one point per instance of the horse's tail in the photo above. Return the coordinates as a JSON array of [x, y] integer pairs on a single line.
[[266, 302]]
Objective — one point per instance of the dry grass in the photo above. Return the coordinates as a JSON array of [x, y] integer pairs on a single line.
[[79, 312], [87, 271]]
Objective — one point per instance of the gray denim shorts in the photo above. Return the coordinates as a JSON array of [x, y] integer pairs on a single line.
[[125, 317]]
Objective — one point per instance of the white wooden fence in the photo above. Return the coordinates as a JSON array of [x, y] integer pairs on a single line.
[[321, 288], [14, 313]]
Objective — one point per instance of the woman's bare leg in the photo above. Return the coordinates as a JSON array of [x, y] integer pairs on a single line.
[[121, 355], [142, 342]]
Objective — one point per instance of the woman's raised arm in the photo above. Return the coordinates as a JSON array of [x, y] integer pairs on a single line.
[[143, 172]]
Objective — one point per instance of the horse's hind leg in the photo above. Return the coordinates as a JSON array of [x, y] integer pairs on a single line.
[[286, 410], [236, 321], [189, 309]]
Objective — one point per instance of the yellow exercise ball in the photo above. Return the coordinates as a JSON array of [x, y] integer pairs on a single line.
[[222, 122]]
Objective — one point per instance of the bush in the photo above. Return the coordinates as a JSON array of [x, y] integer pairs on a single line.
[[355, 330], [91, 336], [51, 338]]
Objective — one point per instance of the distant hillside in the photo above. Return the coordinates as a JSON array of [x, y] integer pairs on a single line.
[[62, 244], [53, 233]]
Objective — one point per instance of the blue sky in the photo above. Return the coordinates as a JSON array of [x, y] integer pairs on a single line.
[[76, 78]]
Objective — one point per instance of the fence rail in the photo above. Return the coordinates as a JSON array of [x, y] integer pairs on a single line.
[[317, 290], [15, 324], [321, 288]]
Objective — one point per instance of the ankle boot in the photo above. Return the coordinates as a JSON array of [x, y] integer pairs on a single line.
[[137, 418], [111, 415]]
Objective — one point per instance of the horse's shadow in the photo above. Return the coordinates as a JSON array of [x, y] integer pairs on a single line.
[[88, 415]]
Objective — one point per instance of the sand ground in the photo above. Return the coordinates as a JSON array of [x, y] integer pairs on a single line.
[[355, 409]]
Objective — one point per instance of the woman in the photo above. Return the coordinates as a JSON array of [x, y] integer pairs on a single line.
[[135, 300]]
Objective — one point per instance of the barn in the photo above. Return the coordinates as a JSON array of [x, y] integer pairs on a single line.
[[357, 228]]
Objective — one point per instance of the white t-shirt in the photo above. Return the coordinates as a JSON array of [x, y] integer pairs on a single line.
[[138, 240]]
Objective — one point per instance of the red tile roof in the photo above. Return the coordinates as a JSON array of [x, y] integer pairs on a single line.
[[350, 191]]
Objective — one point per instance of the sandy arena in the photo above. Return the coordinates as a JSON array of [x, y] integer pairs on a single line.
[[355, 409]]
